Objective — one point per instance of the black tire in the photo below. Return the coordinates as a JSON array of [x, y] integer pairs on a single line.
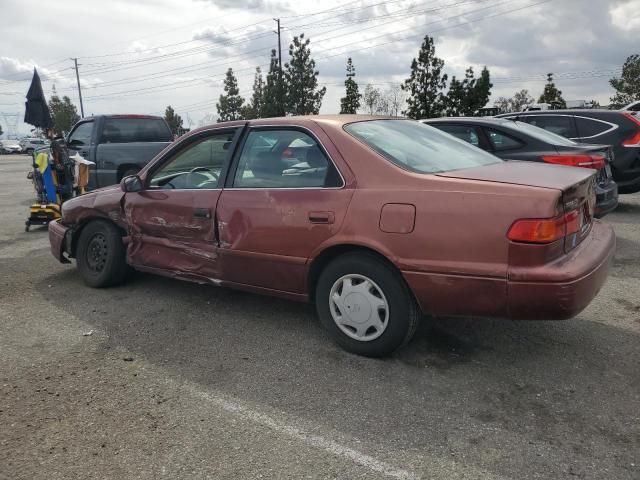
[[403, 312], [101, 255]]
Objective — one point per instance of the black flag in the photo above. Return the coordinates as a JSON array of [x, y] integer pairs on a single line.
[[36, 108]]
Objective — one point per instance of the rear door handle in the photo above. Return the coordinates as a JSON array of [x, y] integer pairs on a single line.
[[201, 213], [321, 217]]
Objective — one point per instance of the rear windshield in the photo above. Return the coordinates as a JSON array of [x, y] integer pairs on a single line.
[[128, 130], [541, 134], [418, 147]]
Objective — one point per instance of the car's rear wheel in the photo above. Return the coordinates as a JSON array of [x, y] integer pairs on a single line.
[[100, 255], [366, 305]]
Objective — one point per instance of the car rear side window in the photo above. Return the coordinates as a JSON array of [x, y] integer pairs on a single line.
[[129, 130], [418, 147], [501, 141], [588, 127], [560, 124], [284, 158], [463, 132]]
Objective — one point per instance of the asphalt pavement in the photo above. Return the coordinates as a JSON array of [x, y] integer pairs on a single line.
[[164, 379]]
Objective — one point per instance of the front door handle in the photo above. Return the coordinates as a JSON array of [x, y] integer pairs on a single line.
[[321, 217], [201, 213]]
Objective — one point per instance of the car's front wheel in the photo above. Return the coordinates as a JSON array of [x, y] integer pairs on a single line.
[[100, 255], [366, 305]]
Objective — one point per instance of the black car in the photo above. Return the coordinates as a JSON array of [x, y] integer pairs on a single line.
[[618, 128], [514, 140]]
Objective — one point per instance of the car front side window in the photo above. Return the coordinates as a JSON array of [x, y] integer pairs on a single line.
[[196, 167]]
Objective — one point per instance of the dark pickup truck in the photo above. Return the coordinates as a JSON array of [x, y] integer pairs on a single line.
[[120, 145]]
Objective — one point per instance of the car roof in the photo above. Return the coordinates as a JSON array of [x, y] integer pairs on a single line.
[[565, 111], [470, 120]]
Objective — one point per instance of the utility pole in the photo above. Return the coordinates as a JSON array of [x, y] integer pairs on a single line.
[[280, 93], [75, 61]]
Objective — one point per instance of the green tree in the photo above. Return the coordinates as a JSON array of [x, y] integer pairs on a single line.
[[455, 98], [517, 103], [173, 120], [478, 94], [425, 84], [350, 103], [273, 103], [230, 103], [255, 106], [551, 94], [64, 113], [628, 85], [301, 80]]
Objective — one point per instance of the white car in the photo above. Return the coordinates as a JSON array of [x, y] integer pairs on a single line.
[[10, 146], [28, 145]]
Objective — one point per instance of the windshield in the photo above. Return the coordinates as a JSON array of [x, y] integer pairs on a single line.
[[418, 147], [542, 134]]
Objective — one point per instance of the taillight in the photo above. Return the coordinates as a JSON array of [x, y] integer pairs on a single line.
[[586, 161], [546, 230], [633, 141]]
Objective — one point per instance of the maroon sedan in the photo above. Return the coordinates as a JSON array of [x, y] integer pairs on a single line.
[[375, 220]]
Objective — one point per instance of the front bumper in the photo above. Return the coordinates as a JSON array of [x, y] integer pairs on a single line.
[[58, 240], [563, 288]]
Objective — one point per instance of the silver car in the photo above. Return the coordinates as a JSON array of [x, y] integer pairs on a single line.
[[10, 146]]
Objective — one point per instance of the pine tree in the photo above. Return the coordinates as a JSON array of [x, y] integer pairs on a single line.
[[628, 85], [254, 108], [273, 104], [425, 84], [229, 104], [350, 103], [301, 80], [551, 94], [64, 113], [478, 93], [455, 98], [173, 120]]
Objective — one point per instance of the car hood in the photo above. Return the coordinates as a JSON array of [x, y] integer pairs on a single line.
[[530, 174]]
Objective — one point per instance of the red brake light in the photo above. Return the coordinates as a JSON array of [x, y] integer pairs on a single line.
[[633, 141], [545, 230], [586, 161]]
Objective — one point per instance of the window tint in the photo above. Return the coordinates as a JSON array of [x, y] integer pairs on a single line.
[[82, 134], [541, 134], [128, 130], [588, 127], [501, 141], [283, 159], [466, 133], [418, 147], [196, 167], [560, 124]]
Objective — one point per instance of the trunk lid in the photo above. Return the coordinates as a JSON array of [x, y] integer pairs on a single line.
[[604, 174], [576, 184]]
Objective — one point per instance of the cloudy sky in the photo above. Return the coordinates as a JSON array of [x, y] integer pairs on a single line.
[[140, 56]]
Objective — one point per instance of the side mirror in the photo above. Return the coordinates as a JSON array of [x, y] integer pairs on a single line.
[[132, 183]]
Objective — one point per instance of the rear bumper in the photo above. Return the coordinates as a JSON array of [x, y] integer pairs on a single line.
[[554, 291], [606, 199], [563, 288], [58, 239]]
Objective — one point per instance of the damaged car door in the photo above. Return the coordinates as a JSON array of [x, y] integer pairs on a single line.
[[172, 218]]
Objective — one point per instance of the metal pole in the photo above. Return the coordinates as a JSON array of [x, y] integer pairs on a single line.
[[280, 99], [75, 61]]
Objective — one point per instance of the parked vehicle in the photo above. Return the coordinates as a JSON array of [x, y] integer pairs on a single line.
[[120, 145], [29, 145], [514, 140], [10, 146], [632, 107], [375, 220], [620, 129]]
